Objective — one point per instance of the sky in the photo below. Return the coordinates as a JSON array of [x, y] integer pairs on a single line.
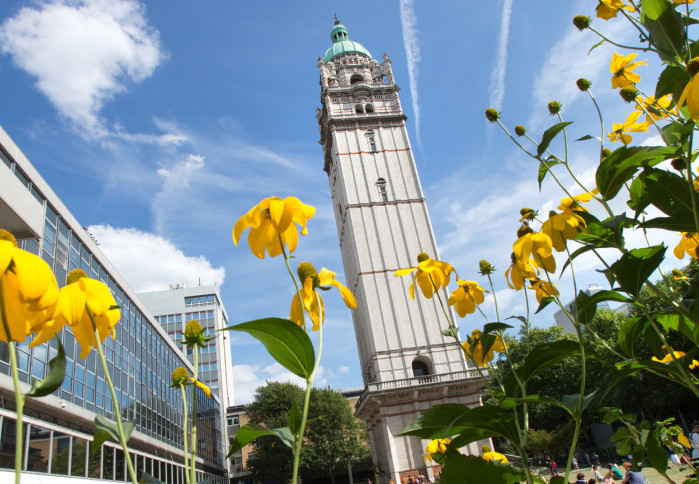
[[160, 123]]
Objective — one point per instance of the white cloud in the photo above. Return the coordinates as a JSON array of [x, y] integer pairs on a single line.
[[497, 78], [408, 21], [149, 262], [342, 369], [82, 53], [248, 378]]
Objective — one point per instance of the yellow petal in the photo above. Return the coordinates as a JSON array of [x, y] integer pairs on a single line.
[[206, 389]]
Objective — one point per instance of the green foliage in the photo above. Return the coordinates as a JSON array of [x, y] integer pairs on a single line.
[[104, 429], [57, 371], [474, 470]]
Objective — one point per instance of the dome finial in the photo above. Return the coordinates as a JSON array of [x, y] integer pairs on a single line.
[[337, 22]]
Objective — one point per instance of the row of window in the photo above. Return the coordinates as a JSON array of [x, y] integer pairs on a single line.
[[67, 453], [195, 300]]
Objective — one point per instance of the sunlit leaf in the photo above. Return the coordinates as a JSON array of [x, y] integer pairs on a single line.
[[549, 135], [470, 469], [635, 267], [621, 164], [57, 371]]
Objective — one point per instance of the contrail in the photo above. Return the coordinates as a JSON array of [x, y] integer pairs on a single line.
[[497, 78], [408, 22]]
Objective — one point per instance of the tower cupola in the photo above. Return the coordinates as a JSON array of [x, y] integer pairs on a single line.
[[342, 45]]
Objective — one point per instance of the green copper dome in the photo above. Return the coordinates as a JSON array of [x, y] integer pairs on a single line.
[[342, 44]]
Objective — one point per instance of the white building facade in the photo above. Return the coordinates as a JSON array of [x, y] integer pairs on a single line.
[[383, 224]]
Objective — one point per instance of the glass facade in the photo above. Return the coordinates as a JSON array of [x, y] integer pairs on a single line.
[[139, 359]]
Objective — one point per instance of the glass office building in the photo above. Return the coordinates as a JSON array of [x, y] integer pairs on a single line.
[[141, 359]]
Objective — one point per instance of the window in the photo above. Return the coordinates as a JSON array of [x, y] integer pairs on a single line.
[[356, 78], [371, 139], [369, 108], [420, 368], [359, 109], [381, 184]]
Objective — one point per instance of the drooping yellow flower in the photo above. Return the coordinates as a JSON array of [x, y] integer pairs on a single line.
[[657, 108], [690, 93], [680, 2], [535, 248], [80, 302], [608, 8], [493, 456], [561, 227], [678, 275], [573, 203], [271, 221], [621, 68], [466, 297], [516, 274], [432, 275], [206, 389], [477, 356], [311, 281], [543, 289], [629, 126], [675, 355], [436, 446], [180, 377], [28, 291], [688, 244]]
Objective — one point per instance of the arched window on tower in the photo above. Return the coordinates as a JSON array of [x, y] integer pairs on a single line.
[[421, 367], [371, 140], [369, 108], [356, 78], [381, 184], [359, 109]]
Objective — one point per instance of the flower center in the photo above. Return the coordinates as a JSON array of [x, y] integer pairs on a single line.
[[179, 376], [75, 275], [693, 66], [306, 270], [192, 327], [6, 235], [422, 257]]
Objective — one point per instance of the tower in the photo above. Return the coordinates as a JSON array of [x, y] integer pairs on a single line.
[[383, 224]]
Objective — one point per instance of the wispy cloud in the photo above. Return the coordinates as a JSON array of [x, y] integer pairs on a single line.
[[82, 53], [248, 378], [497, 78], [408, 21]]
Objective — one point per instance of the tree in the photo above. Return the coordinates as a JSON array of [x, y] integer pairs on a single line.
[[334, 436]]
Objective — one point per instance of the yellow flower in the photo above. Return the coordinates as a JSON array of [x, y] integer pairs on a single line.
[[466, 297], [608, 8], [535, 248], [477, 356], [492, 456], [621, 68], [678, 275], [181, 377], [680, 2], [657, 108], [436, 446], [630, 125], [543, 289], [675, 355], [431, 275], [569, 203], [690, 93], [271, 220], [311, 281], [688, 244], [206, 389], [28, 291], [516, 274], [81, 302], [561, 227]]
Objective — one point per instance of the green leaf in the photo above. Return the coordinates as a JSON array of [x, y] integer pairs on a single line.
[[671, 81], [148, 479], [249, 432], [635, 267], [471, 469], [540, 358], [285, 341], [677, 322], [606, 233], [509, 402], [623, 163], [664, 25], [544, 167], [572, 402], [545, 302], [497, 326], [104, 429], [586, 305], [57, 371], [294, 419], [587, 137], [632, 368], [595, 46], [680, 222], [548, 136], [632, 329], [666, 191]]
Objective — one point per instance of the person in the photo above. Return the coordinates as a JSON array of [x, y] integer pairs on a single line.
[[598, 475], [580, 478], [616, 473], [554, 468], [694, 441], [591, 480], [632, 477], [410, 479], [575, 463], [596, 458]]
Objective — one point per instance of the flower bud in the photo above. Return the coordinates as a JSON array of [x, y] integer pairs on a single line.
[[75, 275], [6, 235], [582, 22], [554, 107], [485, 267], [583, 84], [527, 214], [606, 152], [524, 230], [422, 257], [180, 377], [693, 66], [492, 115], [520, 130], [678, 164], [628, 94], [306, 270]]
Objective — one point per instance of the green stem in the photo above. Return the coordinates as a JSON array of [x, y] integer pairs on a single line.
[[601, 123], [19, 397], [690, 182], [184, 433], [644, 49], [298, 290], [677, 306], [441, 303], [195, 351], [307, 397], [115, 404], [19, 448]]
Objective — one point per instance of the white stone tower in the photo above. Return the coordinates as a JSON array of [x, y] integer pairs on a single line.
[[383, 224]]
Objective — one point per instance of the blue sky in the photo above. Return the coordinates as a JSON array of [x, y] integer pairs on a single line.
[[160, 123]]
